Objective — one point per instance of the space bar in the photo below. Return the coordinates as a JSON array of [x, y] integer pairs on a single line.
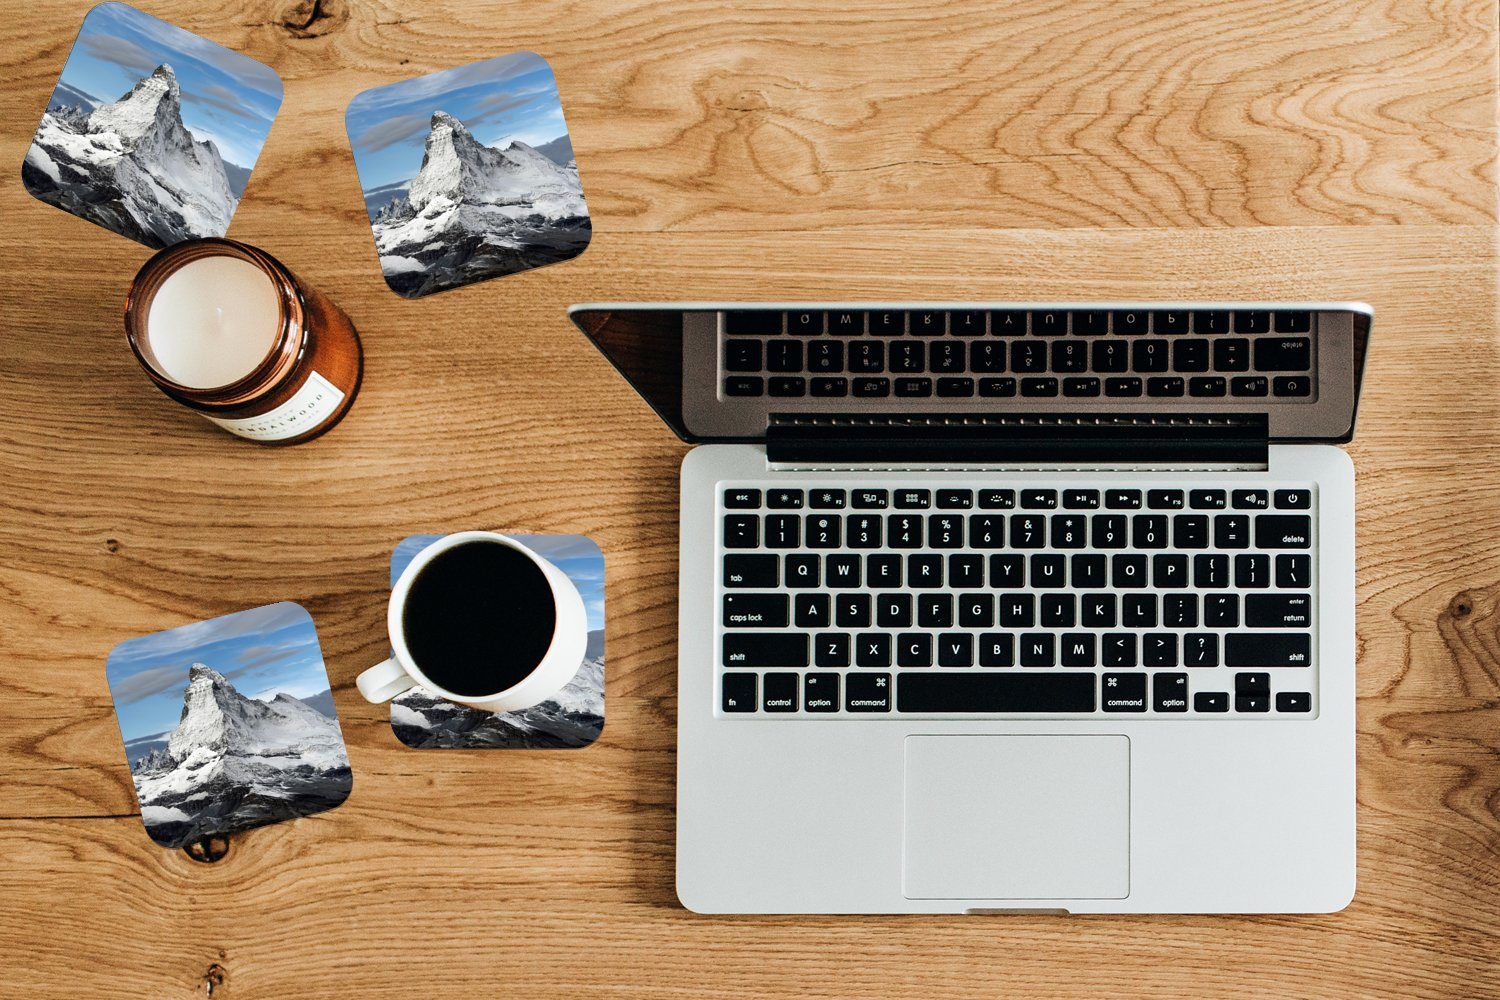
[[995, 693]]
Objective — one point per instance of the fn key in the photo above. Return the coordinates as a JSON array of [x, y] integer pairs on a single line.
[[738, 692]]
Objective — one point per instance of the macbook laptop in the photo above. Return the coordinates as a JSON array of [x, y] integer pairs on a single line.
[[1010, 607]]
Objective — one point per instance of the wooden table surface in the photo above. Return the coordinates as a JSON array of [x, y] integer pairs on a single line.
[[1340, 149]]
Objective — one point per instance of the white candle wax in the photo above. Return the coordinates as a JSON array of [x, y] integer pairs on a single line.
[[213, 321]]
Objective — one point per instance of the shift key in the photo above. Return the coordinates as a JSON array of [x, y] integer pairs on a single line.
[[1267, 649], [765, 649], [755, 611]]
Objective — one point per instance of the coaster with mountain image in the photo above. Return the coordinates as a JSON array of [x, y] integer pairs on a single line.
[[151, 131], [228, 724], [572, 718], [468, 174]]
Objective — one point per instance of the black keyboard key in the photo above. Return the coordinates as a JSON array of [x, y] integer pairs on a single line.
[[1090, 323], [1267, 649], [1039, 499], [872, 499], [826, 386], [955, 388], [824, 531], [945, 531], [910, 387], [913, 499], [955, 649], [825, 356], [1159, 649], [1221, 610], [779, 692], [893, 610], [995, 693], [1128, 572], [1291, 385], [865, 531], [1207, 385], [1038, 649], [935, 611], [1200, 649], [1126, 386], [1109, 531], [955, 499], [1149, 531], [827, 499], [820, 693], [997, 499], [742, 356], [926, 323], [1294, 499], [756, 611], [1049, 324], [1293, 321], [1252, 683], [842, 571], [783, 531], [1017, 610], [1211, 571], [765, 649], [872, 649], [1190, 356], [1249, 385], [852, 610], [907, 357], [1069, 531], [904, 531], [1179, 610], [1283, 531], [1207, 499], [868, 692], [1251, 499], [846, 324], [1252, 703], [750, 571], [1010, 323], [1039, 387], [884, 570], [1278, 611], [753, 322], [1292, 572], [1081, 386], [1169, 322], [1150, 355], [1099, 611], [831, 649], [1293, 701], [867, 357], [1122, 499], [1283, 354], [1080, 499], [1252, 572], [742, 499], [1131, 321], [1232, 354], [1166, 499], [1169, 692], [1211, 322], [1190, 531], [1111, 356], [987, 357], [886, 324], [1123, 692], [804, 571], [1070, 356], [784, 356], [1211, 701], [744, 385], [1252, 321], [976, 610], [804, 323], [787, 386], [997, 649], [741, 531], [965, 571], [1090, 571], [1165, 385], [966, 324], [1028, 357], [867, 388], [946, 357], [737, 692], [997, 387], [1118, 650], [1169, 571], [783, 499], [1078, 649], [1138, 610]]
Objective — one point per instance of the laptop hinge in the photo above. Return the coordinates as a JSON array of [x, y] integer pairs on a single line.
[[1021, 440]]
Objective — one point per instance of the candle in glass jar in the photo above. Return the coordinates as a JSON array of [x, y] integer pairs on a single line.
[[226, 330], [213, 321]]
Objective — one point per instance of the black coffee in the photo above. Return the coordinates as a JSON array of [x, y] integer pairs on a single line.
[[478, 618]]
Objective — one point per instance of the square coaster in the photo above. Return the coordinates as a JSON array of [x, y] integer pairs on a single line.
[[229, 724], [151, 131], [572, 718], [468, 174]]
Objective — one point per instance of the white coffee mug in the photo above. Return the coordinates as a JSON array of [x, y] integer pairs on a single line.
[[558, 665]]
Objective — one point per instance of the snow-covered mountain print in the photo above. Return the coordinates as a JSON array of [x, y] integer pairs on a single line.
[[468, 174], [231, 761], [168, 159], [572, 718]]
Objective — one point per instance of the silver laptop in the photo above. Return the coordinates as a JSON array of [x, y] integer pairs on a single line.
[[1010, 607]]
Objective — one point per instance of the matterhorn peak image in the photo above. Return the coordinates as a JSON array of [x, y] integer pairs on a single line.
[[475, 211], [132, 166], [234, 762]]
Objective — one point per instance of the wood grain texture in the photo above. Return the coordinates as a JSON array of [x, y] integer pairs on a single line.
[[873, 148]]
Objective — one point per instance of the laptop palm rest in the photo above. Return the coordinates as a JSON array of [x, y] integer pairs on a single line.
[[1017, 817]]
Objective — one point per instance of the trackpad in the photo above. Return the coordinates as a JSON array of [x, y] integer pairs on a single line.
[[1017, 817]]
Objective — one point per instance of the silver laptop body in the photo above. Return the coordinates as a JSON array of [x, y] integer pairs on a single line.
[[987, 607]]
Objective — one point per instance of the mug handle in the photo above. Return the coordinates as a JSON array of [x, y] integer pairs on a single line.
[[383, 681]]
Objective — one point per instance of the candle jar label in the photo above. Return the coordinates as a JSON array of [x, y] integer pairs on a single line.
[[308, 407]]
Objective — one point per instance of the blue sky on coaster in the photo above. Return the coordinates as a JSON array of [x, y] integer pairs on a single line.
[[227, 97], [575, 555], [262, 652], [510, 97]]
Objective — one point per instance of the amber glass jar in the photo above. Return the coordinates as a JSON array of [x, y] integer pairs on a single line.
[[227, 330]]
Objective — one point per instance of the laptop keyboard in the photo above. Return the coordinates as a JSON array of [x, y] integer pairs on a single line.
[[1036, 354], [1075, 600]]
